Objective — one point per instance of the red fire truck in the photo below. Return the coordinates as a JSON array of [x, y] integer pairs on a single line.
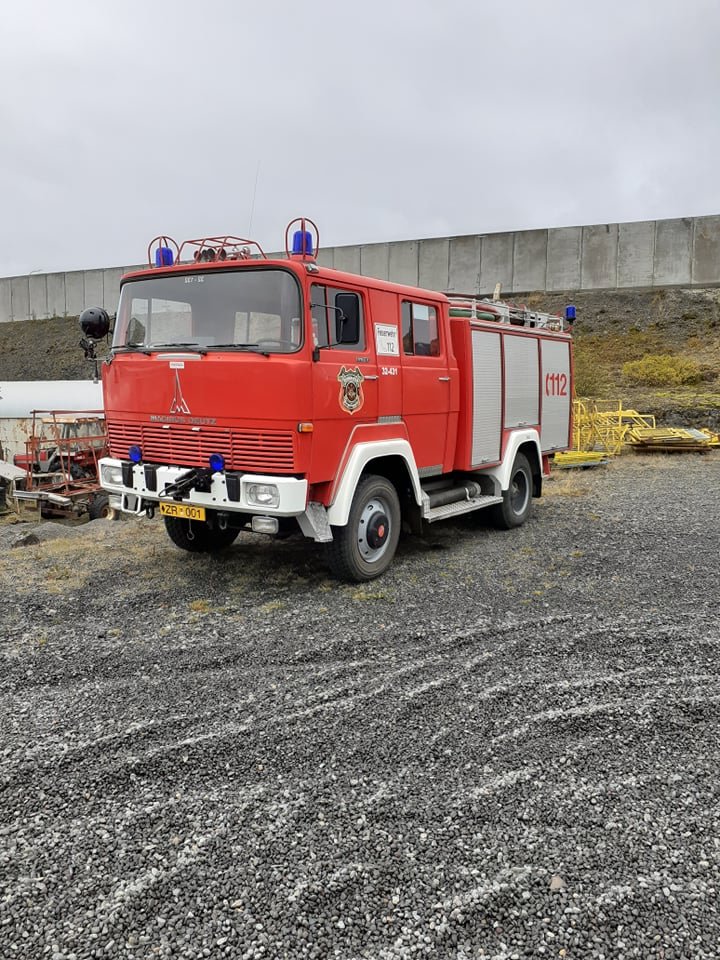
[[243, 392]]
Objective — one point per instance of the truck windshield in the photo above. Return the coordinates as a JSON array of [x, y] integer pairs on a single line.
[[246, 309]]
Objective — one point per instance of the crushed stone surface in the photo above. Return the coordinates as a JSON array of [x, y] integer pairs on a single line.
[[506, 747]]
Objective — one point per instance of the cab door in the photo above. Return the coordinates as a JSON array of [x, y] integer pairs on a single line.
[[345, 387], [427, 387]]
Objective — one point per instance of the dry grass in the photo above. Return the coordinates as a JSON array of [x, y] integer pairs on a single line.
[[567, 483]]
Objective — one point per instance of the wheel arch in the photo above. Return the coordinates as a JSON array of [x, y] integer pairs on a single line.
[[526, 442], [392, 459], [532, 453]]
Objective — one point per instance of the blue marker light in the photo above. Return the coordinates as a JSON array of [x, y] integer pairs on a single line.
[[217, 462], [135, 453], [302, 243]]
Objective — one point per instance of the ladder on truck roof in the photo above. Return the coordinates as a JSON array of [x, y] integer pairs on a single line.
[[485, 308]]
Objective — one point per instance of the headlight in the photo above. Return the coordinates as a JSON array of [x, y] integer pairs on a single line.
[[263, 494], [110, 474]]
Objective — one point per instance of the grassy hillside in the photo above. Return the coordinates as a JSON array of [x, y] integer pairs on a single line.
[[658, 351], [676, 333]]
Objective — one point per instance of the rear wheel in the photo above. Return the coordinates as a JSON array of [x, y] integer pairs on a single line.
[[196, 536], [365, 547], [514, 509]]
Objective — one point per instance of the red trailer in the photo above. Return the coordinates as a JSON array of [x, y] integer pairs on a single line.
[[61, 465]]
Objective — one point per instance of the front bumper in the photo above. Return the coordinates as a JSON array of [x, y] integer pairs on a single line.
[[291, 500]]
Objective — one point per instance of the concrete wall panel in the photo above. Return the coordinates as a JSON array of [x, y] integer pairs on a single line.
[[75, 293], [464, 268], [496, 262], [563, 260], [599, 256], [404, 267], [20, 290], [56, 294], [673, 250], [5, 300], [326, 257], [706, 251], [375, 260], [94, 293], [530, 261], [636, 253], [38, 296], [111, 289], [347, 259], [434, 264]]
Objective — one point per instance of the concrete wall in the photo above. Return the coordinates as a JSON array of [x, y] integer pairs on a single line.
[[609, 256]]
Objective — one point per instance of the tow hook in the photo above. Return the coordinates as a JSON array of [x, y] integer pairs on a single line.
[[149, 512]]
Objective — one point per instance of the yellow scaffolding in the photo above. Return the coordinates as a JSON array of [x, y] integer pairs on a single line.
[[604, 425]]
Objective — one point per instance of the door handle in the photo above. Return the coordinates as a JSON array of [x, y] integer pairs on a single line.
[[371, 377], [444, 379]]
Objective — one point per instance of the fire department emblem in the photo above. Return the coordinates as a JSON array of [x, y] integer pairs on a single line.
[[351, 391]]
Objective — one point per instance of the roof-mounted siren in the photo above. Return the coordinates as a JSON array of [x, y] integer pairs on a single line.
[[303, 247], [162, 252]]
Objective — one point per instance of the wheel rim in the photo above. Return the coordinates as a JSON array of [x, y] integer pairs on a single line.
[[519, 492], [374, 529]]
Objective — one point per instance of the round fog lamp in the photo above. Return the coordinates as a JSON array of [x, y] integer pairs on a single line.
[[217, 461], [135, 453]]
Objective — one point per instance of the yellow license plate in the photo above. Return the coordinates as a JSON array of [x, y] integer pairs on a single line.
[[182, 510]]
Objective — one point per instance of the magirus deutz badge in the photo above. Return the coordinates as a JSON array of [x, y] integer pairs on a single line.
[[178, 404], [351, 391]]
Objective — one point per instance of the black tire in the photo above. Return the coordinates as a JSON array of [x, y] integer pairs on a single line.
[[365, 547], [99, 508], [196, 536], [514, 509]]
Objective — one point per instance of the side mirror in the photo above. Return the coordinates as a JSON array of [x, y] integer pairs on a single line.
[[95, 323], [348, 317]]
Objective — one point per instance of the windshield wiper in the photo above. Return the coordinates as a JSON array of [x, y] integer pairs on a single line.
[[131, 348], [194, 346], [247, 347]]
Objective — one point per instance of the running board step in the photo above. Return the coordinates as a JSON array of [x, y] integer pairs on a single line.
[[431, 514]]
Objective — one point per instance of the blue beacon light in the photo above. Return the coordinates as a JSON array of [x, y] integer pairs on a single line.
[[302, 243], [217, 462], [570, 313], [135, 453], [163, 257]]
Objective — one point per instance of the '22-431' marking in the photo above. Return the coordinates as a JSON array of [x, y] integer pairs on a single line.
[[556, 384]]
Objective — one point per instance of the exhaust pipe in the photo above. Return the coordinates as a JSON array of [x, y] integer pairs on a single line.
[[469, 490]]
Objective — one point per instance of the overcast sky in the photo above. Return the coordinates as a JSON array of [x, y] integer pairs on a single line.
[[380, 119]]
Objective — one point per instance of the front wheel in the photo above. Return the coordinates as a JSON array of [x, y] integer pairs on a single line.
[[514, 509], [364, 548], [196, 536]]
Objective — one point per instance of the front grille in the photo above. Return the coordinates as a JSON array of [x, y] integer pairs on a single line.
[[255, 451]]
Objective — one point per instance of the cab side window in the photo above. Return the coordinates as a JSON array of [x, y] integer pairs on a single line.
[[420, 330], [331, 312]]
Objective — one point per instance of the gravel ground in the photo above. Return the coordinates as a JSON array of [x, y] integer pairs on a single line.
[[507, 747]]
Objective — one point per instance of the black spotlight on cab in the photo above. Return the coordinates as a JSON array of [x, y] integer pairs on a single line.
[[95, 324]]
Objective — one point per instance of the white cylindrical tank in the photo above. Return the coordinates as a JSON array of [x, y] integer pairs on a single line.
[[18, 399]]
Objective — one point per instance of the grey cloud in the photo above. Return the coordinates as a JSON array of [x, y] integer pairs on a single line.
[[382, 120]]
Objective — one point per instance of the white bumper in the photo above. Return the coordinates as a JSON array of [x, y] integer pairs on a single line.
[[292, 493]]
